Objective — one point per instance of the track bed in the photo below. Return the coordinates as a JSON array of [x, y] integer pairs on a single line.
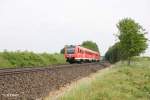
[[33, 83]]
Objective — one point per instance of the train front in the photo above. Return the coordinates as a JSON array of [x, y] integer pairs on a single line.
[[70, 53]]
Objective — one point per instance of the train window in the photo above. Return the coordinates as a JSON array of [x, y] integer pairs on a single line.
[[70, 50]]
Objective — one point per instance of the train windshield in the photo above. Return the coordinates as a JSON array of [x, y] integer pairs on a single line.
[[70, 50]]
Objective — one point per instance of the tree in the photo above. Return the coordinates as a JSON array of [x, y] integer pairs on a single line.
[[132, 38], [90, 45], [62, 51], [114, 53]]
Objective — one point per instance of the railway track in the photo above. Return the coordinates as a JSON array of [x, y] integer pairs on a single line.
[[8, 71], [33, 83]]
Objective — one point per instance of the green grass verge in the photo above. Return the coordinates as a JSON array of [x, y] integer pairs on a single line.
[[29, 59], [122, 82]]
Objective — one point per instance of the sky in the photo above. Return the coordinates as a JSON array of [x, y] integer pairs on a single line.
[[48, 25]]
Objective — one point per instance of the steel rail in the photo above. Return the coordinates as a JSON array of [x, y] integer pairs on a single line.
[[10, 71]]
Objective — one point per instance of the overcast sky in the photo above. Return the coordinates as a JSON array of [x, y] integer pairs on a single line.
[[48, 25]]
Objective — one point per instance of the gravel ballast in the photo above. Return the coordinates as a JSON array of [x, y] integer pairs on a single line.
[[38, 84]]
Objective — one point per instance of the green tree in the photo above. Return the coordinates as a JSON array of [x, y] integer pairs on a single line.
[[132, 38], [90, 45], [114, 53], [62, 51]]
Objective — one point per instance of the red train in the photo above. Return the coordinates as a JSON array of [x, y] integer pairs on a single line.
[[76, 53]]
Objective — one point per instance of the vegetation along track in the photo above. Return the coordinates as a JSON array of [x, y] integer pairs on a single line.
[[33, 83]]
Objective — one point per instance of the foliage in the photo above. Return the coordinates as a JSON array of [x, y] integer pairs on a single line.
[[132, 39], [90, 45], [122, 82], [131, 43], [114, 53], [62, 51], [60, 58], [29, 59]]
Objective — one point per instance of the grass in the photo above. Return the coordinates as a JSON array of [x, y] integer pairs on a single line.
[[122, 82], [29, 59]]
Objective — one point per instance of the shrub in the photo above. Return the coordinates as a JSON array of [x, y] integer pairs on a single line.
[[29, 59]]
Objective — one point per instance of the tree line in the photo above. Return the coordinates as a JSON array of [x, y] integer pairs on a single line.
[[132, 41]]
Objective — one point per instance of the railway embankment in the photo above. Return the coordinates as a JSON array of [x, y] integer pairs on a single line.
[[31, 83]]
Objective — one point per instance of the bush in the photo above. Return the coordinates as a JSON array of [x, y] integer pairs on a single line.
[[29, 59]]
